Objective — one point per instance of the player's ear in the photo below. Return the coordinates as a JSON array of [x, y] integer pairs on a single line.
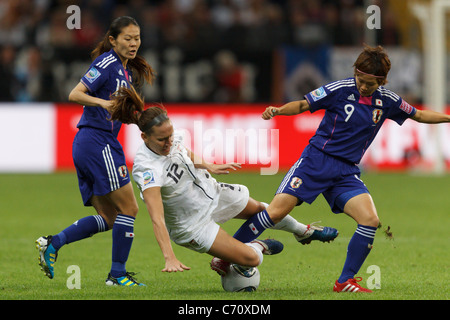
[[112, 41]]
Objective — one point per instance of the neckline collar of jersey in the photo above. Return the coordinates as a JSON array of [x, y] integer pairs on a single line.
[[118, 58], [365, 100], [153, 152]]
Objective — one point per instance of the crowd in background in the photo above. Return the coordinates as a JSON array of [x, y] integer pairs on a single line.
[[34, 32]]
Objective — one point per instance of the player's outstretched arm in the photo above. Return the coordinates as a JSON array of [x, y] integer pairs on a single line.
[[222, 168], [213, 168], [288, 109], [429, 116], [153, 201]]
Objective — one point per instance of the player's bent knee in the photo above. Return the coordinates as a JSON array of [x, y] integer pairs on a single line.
[[134, 210], [130, 209], [368, 220], [373, 221]]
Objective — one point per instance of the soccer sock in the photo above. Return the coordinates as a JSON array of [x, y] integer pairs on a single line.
[[80, 229], [258, 249], [291, 225], [253, 227], [358, 249], [121, 245]]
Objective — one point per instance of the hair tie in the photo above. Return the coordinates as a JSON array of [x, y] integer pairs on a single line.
[[368, 74], [156, 120]]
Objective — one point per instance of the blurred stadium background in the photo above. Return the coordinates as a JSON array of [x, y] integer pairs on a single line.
[[219, 63]]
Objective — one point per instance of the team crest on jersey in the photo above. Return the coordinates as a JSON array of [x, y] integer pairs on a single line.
[[92, 74], [122, 171], [376, 115], [318, 94], [296, 182], [148, 177]]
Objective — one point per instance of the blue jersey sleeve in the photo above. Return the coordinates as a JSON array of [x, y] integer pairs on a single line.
[[319, 98], [94, 79], [326, 96], [402, 111]]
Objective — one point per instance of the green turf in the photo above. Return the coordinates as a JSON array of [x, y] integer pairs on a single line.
[[415, 265]]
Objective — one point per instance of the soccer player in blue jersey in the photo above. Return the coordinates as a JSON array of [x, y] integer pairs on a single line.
[[355, 109], [99, 159]]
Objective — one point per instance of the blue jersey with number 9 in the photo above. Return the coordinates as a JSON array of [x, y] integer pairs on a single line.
[[352, 121]]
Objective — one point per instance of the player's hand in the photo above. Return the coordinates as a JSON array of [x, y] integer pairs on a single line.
[[106, 104], [223, 168], [174, 266], [269, 113]]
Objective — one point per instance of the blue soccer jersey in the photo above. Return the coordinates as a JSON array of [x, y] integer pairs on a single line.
[[105, 76], [352, 121]]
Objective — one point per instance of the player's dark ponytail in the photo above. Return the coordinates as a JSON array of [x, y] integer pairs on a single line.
[[128, 107], [140, 67]]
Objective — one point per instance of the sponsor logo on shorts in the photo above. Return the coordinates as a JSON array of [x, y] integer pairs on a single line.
[[123, 171], [296, 182]]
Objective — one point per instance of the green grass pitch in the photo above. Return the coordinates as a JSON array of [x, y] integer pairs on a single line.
[[414, 265]]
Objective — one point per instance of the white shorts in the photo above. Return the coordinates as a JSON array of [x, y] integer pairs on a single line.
[[233, 198]]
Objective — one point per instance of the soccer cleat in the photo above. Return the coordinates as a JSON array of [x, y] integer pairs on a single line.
[[270, 246], [350, 285], [47, 255], [220, 266], [127, 280], [324, 234]]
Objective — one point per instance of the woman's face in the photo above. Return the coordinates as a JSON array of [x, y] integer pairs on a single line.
[[127, 42], [366, 84], [160, 140]]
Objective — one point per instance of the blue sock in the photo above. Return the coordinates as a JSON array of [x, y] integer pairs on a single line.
[[81, 229], [123, 234], [358, 249], [253, 227]]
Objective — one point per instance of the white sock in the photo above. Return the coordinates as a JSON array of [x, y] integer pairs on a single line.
[[289, 224], [258, 249]]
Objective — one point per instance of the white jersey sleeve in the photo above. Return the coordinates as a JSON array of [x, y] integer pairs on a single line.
[[147, 170]]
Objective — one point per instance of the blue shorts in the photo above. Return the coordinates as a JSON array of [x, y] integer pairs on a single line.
[[100, 163], [316, 172]]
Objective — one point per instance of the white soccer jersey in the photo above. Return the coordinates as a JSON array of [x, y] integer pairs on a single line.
[[189, 195]]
